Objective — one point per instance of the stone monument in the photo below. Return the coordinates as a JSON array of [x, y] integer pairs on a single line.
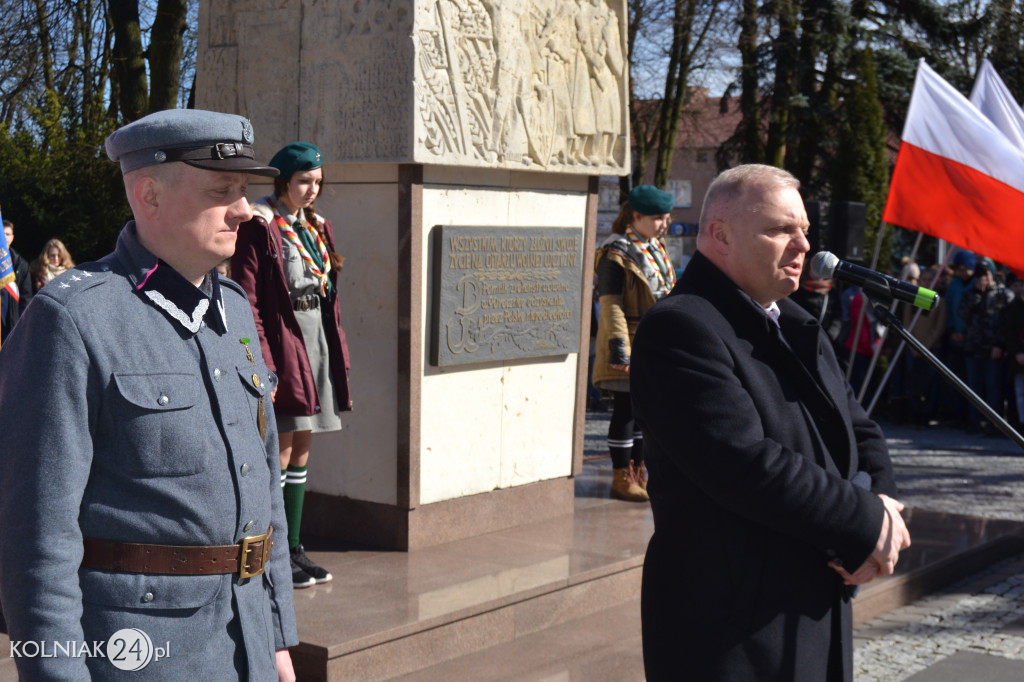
[[463, 141]]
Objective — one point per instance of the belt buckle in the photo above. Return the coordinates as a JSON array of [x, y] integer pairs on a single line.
[[243, 565]]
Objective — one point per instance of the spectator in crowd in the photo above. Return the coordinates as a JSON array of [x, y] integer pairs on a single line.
[[53, 260], [864, 325], [982, 307], [633, 271], [963, 273], [920, 377], [1015, 341], [23, 280], [287, 264]]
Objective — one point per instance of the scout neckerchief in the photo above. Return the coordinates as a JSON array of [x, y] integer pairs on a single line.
[[656, 257], [311, 247]]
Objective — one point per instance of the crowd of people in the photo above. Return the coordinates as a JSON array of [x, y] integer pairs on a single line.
[[131, 377], [975, 330], [53, 260]]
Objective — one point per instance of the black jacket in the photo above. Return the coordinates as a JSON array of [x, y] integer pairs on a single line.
[[751, 437]]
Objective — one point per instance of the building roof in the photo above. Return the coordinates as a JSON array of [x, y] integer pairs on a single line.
[[702, 125]]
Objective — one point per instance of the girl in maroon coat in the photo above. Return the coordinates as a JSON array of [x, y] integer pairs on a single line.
[[286, 262]]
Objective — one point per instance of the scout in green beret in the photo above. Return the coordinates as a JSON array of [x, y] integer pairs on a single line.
[[646, 200], [297, 156], [633, 271], [293, 290]]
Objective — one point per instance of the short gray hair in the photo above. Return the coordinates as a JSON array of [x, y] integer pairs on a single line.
[[730, 185]]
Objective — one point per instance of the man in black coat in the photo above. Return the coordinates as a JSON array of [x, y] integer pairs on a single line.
[[770, 485]]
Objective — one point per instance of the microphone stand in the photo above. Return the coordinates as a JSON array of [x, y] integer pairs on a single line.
[[886, 317]]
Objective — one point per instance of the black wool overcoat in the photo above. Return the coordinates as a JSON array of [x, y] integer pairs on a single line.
[[751, 437]]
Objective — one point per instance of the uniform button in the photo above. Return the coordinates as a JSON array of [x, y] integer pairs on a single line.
[[245, 469], [148, 597], [163, 400], [217, 373], [248, 527]]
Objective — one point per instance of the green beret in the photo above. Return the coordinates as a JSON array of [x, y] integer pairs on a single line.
[[295, 157], [645, 200], [204, 139]]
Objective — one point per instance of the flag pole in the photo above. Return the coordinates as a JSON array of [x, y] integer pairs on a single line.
[[913, 323], [860, 321]]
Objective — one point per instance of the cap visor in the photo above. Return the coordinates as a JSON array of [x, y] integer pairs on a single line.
[[234, 165]]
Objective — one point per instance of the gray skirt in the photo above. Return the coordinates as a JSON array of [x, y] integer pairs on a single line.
[[328, 418]]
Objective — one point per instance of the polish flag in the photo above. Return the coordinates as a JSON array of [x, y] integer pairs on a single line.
[[994, 99], [957, 176]]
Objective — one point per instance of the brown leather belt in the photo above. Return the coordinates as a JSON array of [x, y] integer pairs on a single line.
[[247, 558]]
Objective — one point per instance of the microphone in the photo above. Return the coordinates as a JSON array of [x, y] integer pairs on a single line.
[[827, 266]]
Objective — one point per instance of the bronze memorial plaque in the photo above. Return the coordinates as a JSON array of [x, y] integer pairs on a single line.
[[505, 292]]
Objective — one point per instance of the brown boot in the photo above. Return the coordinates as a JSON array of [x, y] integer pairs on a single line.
[[625, 486], [639, 472]]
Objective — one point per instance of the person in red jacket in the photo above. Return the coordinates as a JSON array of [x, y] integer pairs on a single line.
[[286, 261]]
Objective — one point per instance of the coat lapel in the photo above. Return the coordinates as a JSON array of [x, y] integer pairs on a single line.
[[793, 351]]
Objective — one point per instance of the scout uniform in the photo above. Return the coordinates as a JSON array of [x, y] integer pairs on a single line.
[[138, 484]]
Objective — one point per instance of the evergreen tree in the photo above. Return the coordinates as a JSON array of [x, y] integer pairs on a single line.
[[861, 168]]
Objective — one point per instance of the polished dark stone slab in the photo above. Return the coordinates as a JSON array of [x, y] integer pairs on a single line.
[[936, 536]]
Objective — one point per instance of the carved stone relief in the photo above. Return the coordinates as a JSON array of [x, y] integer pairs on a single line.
[[522, 83]]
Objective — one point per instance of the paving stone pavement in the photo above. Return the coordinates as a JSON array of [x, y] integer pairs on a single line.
[[946, 470], [977, 622]]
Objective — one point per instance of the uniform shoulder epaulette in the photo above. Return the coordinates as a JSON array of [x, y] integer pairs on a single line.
[[233, 285], [80, 278]]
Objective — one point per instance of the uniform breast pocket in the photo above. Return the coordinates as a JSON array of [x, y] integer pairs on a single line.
[[162, 428], [292, 261]]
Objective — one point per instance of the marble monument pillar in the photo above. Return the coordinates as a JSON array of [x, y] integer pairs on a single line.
[[463, 141]]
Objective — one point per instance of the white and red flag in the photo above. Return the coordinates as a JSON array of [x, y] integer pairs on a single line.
[[958, 177], [995, 100]]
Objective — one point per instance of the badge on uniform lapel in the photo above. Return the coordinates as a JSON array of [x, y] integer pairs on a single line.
[[261, 412]]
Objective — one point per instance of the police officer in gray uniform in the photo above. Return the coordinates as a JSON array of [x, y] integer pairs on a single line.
[[139, 482]]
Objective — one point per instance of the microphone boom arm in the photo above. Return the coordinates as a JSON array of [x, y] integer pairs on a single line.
[[886, 317]]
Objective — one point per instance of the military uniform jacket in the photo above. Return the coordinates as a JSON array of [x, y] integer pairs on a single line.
[[125, 419], [752, 438]]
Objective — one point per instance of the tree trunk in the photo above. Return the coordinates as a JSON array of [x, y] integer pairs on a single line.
[[785, 74], [129, 67], [753, 143], [165, 54], [686, 44], [45, 50]]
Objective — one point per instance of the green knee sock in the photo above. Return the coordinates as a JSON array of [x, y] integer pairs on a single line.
[[294, 493]]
